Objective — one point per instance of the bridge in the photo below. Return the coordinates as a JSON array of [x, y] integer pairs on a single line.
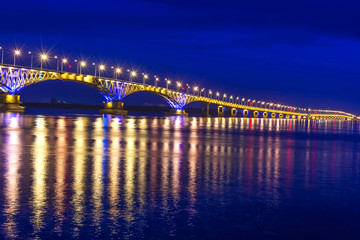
[[14, 78]]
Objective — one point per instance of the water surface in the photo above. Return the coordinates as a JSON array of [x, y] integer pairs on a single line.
[[92, 176]]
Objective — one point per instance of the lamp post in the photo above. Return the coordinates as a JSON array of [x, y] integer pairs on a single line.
[[132, 75], [117, 72], [43, 57], [178, 85], [224, 97], [94, 68], [195, 90], [242, 101], [210, 94], [231, 99], [31, 59], [16, 53], [156, 81], [101, 68], [82, 64], [62, 64], [57, 63], [167, 83], [217, 95], [2, 55], [144, 78]]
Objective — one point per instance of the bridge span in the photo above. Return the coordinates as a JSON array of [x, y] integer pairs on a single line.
[[14, 78]]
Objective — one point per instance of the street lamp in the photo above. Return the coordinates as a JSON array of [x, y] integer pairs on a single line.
[[217, 95], [210, 94], [117, 72], [16, 53], [224, 97], [2, 55], [62, 63], [101, 68], [43, 57], [242, 100], [178, 85], [156, 81], [231, 98], [195, 90], [167, 83], [57, 63], [31, 59], [132, 75], [144, 78], [82, 64]]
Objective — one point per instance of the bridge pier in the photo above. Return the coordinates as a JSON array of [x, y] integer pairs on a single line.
[[221, 110], [256, 114], [10, 103], [245, 113], [234, 112], [265, 114], [281, 115], [115, 108], [273, 115], [177, 112], [205, 110]]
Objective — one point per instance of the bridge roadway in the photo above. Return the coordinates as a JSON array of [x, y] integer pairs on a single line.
[[14, 78]]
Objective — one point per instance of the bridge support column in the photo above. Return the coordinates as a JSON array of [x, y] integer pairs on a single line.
[[265, 114], [234, 112], [256, 114], [245, 113], [281, 115], [177, 112], [10, 103], [273, 115], [221, 110], [205, 110], [115, 108]]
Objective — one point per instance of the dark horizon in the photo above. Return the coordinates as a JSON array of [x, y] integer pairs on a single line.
[[303, 54]]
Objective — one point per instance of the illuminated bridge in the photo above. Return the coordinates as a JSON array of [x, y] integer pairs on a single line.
[[14, 78]]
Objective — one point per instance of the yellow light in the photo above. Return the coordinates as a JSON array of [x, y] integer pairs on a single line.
[[146, 76], [217, 94], [168, 81], [157, 79], [83, 64], [17, 52], [55, 57], [118, 70], [43, 56], [133, 73], [64, 60], [179, 84], [102, 67]]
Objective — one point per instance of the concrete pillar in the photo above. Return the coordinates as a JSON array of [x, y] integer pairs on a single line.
[[205, 110], [116, 108], [177, 112], [234, 112], [221, 110], [10, 103], [280, 115], [245, 113], [265, 114], [273, 115], [256, 114]]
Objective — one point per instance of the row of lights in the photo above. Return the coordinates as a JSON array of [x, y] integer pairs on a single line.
[[196, 91]]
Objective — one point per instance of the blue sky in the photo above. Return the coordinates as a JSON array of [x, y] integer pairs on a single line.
[[301, 53]]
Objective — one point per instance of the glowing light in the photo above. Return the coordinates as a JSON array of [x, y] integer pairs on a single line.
[[146, 76], [64, 60], [17, 52], [83, 64], [118, 70], [133, 74], [44, 56], [102, 67]]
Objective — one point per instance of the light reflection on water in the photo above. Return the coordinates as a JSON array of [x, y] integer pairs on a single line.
[[148, 177]]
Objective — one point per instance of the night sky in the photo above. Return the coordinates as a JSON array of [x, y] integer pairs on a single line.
[[301, 53]]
